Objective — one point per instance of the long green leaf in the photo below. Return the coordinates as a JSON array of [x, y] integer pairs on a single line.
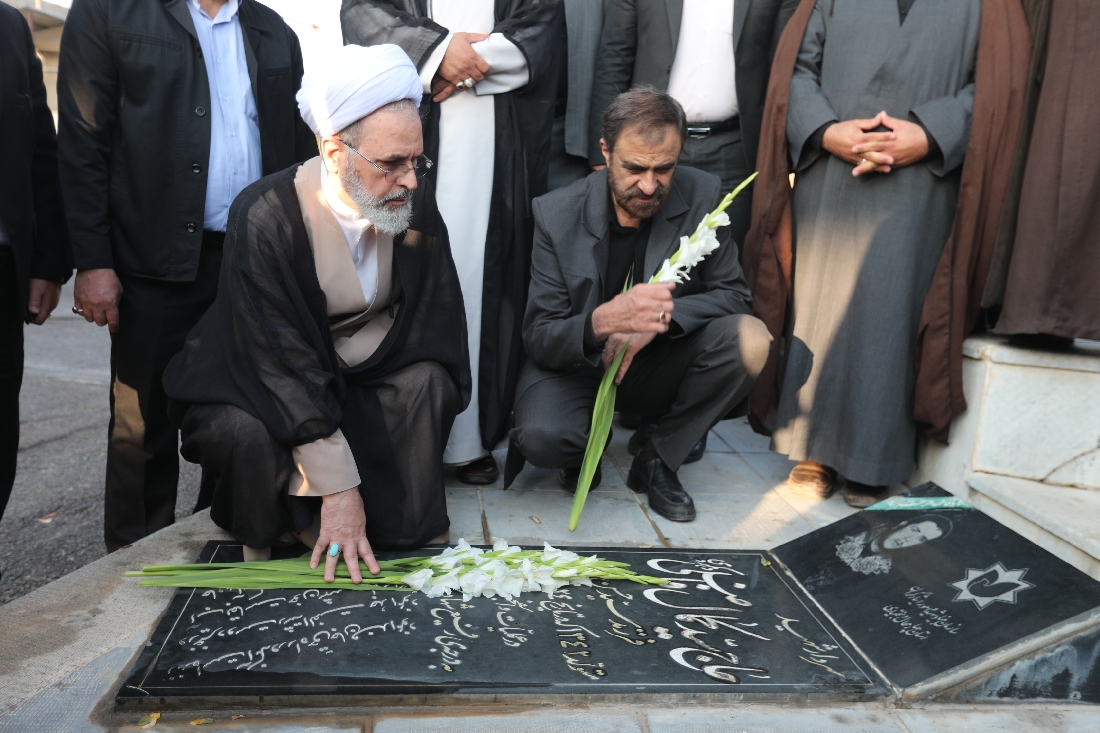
[[602, 414]]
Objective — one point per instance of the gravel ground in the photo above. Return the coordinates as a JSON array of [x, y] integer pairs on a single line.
[[54, 521]]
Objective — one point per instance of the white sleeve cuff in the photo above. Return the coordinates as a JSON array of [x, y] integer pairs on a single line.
[[325, 466], [427, 73], [507, 64]]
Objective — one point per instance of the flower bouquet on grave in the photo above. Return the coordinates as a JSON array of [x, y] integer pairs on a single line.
[[692, 250], [504, 571]]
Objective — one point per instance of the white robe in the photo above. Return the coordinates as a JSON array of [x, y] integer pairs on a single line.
[[464, 179]]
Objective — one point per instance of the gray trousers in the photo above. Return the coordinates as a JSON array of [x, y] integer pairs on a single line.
[[690, 383], [724, 156]]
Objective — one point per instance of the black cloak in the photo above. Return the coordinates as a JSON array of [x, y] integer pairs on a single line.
[[265, 345], [522, 151]]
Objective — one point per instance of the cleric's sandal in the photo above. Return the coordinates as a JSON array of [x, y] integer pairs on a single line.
[[812, 480], [861, 496]]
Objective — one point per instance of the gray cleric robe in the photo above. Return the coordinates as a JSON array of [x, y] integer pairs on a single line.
[[866, 248]]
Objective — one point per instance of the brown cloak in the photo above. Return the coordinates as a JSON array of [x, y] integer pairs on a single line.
[[1051, 284], [953, 301]]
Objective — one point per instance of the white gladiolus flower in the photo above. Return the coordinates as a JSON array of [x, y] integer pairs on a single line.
[[419, 579]]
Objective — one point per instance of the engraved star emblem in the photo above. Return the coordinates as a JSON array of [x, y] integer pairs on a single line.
[[995, 583]]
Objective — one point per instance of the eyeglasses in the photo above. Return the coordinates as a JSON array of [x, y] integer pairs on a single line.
[[421, 165]]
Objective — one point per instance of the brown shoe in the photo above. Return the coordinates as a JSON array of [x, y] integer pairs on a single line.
[[812, 480], [479, 472], [861, 496]]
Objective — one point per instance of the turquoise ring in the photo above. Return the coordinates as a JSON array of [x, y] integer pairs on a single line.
[[333, 550]]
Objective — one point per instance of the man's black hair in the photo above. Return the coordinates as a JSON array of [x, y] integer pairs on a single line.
[[647, 109]]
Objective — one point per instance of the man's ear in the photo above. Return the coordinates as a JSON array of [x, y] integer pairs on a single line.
[[330, 154], [605, 151]]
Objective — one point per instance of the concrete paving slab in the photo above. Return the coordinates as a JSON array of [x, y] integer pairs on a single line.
[[526, 722], [772, 719], [739, 435], [1053, 719], [60, 628], [225, 723], [772, 467], [721, 473], [818, 512], [67, 705], [735, 522], [610, 518], [464, 509]]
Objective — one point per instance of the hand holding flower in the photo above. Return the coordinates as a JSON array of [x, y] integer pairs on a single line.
[[638, 310]]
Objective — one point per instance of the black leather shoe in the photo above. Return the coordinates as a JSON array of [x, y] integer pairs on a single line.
[[641, 436], [482, 471], [697, 452], [649, 475], [567, 477]]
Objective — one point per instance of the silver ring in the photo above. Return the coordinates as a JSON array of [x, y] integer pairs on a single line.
[[78, 311], [334, 550], [469, 82], [661, 317]]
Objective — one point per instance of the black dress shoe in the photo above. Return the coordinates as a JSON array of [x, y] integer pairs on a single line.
[[698, 451], [641, 436], [567, 477], [482, 471], [649, 475]]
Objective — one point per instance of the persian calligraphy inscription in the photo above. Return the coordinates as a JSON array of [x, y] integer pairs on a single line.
[[726, 621]]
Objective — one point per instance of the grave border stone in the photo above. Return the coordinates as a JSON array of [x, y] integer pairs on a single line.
[[337, 693]]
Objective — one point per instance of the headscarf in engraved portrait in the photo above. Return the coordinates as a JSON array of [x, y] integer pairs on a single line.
[[870, 552]]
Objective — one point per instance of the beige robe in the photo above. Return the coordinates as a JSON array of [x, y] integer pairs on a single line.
[[326, 466]]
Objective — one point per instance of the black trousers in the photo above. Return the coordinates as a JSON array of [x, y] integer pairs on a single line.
[[396, 428], [690, 383], [723, 155], [11, 372], [142, 454]]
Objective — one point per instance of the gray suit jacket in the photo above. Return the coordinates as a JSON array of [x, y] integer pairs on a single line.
[[638, 46], [570, 257], [584, 22]]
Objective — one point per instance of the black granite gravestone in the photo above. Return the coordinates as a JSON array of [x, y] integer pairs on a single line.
[[928, 587], [729, 622]]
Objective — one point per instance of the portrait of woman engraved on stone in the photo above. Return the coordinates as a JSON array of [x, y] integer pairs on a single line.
[[870, 552]]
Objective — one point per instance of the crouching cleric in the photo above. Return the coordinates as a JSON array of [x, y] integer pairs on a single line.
[[326, 376], [694, 351]]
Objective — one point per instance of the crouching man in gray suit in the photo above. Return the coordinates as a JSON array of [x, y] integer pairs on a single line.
[[694, 349]]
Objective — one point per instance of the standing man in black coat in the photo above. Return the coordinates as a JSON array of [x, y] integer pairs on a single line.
[[168, 109], [714, 58], [34, 244]]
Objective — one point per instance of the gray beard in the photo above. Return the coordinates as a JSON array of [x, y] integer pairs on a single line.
[[384, 218]]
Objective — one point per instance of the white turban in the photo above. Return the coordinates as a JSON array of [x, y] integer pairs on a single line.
[[353, 82]]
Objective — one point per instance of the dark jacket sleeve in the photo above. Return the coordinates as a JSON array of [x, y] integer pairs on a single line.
[[305, 142], [614, 67], [52, 257], [87, 87], [370, 22]]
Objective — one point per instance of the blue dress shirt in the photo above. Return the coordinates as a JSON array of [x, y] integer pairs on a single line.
[[234, 124]]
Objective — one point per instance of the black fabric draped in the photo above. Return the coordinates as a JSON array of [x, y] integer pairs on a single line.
[[523, 124], [265, 348]]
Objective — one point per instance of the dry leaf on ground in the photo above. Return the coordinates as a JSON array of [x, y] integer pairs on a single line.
[[148, 721]]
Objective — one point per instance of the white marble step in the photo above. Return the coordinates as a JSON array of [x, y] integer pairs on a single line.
[[1062, 520]]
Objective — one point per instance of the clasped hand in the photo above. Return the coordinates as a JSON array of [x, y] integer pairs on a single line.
[[460, 62], [344, 522], [852, 140], [635, 316]]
